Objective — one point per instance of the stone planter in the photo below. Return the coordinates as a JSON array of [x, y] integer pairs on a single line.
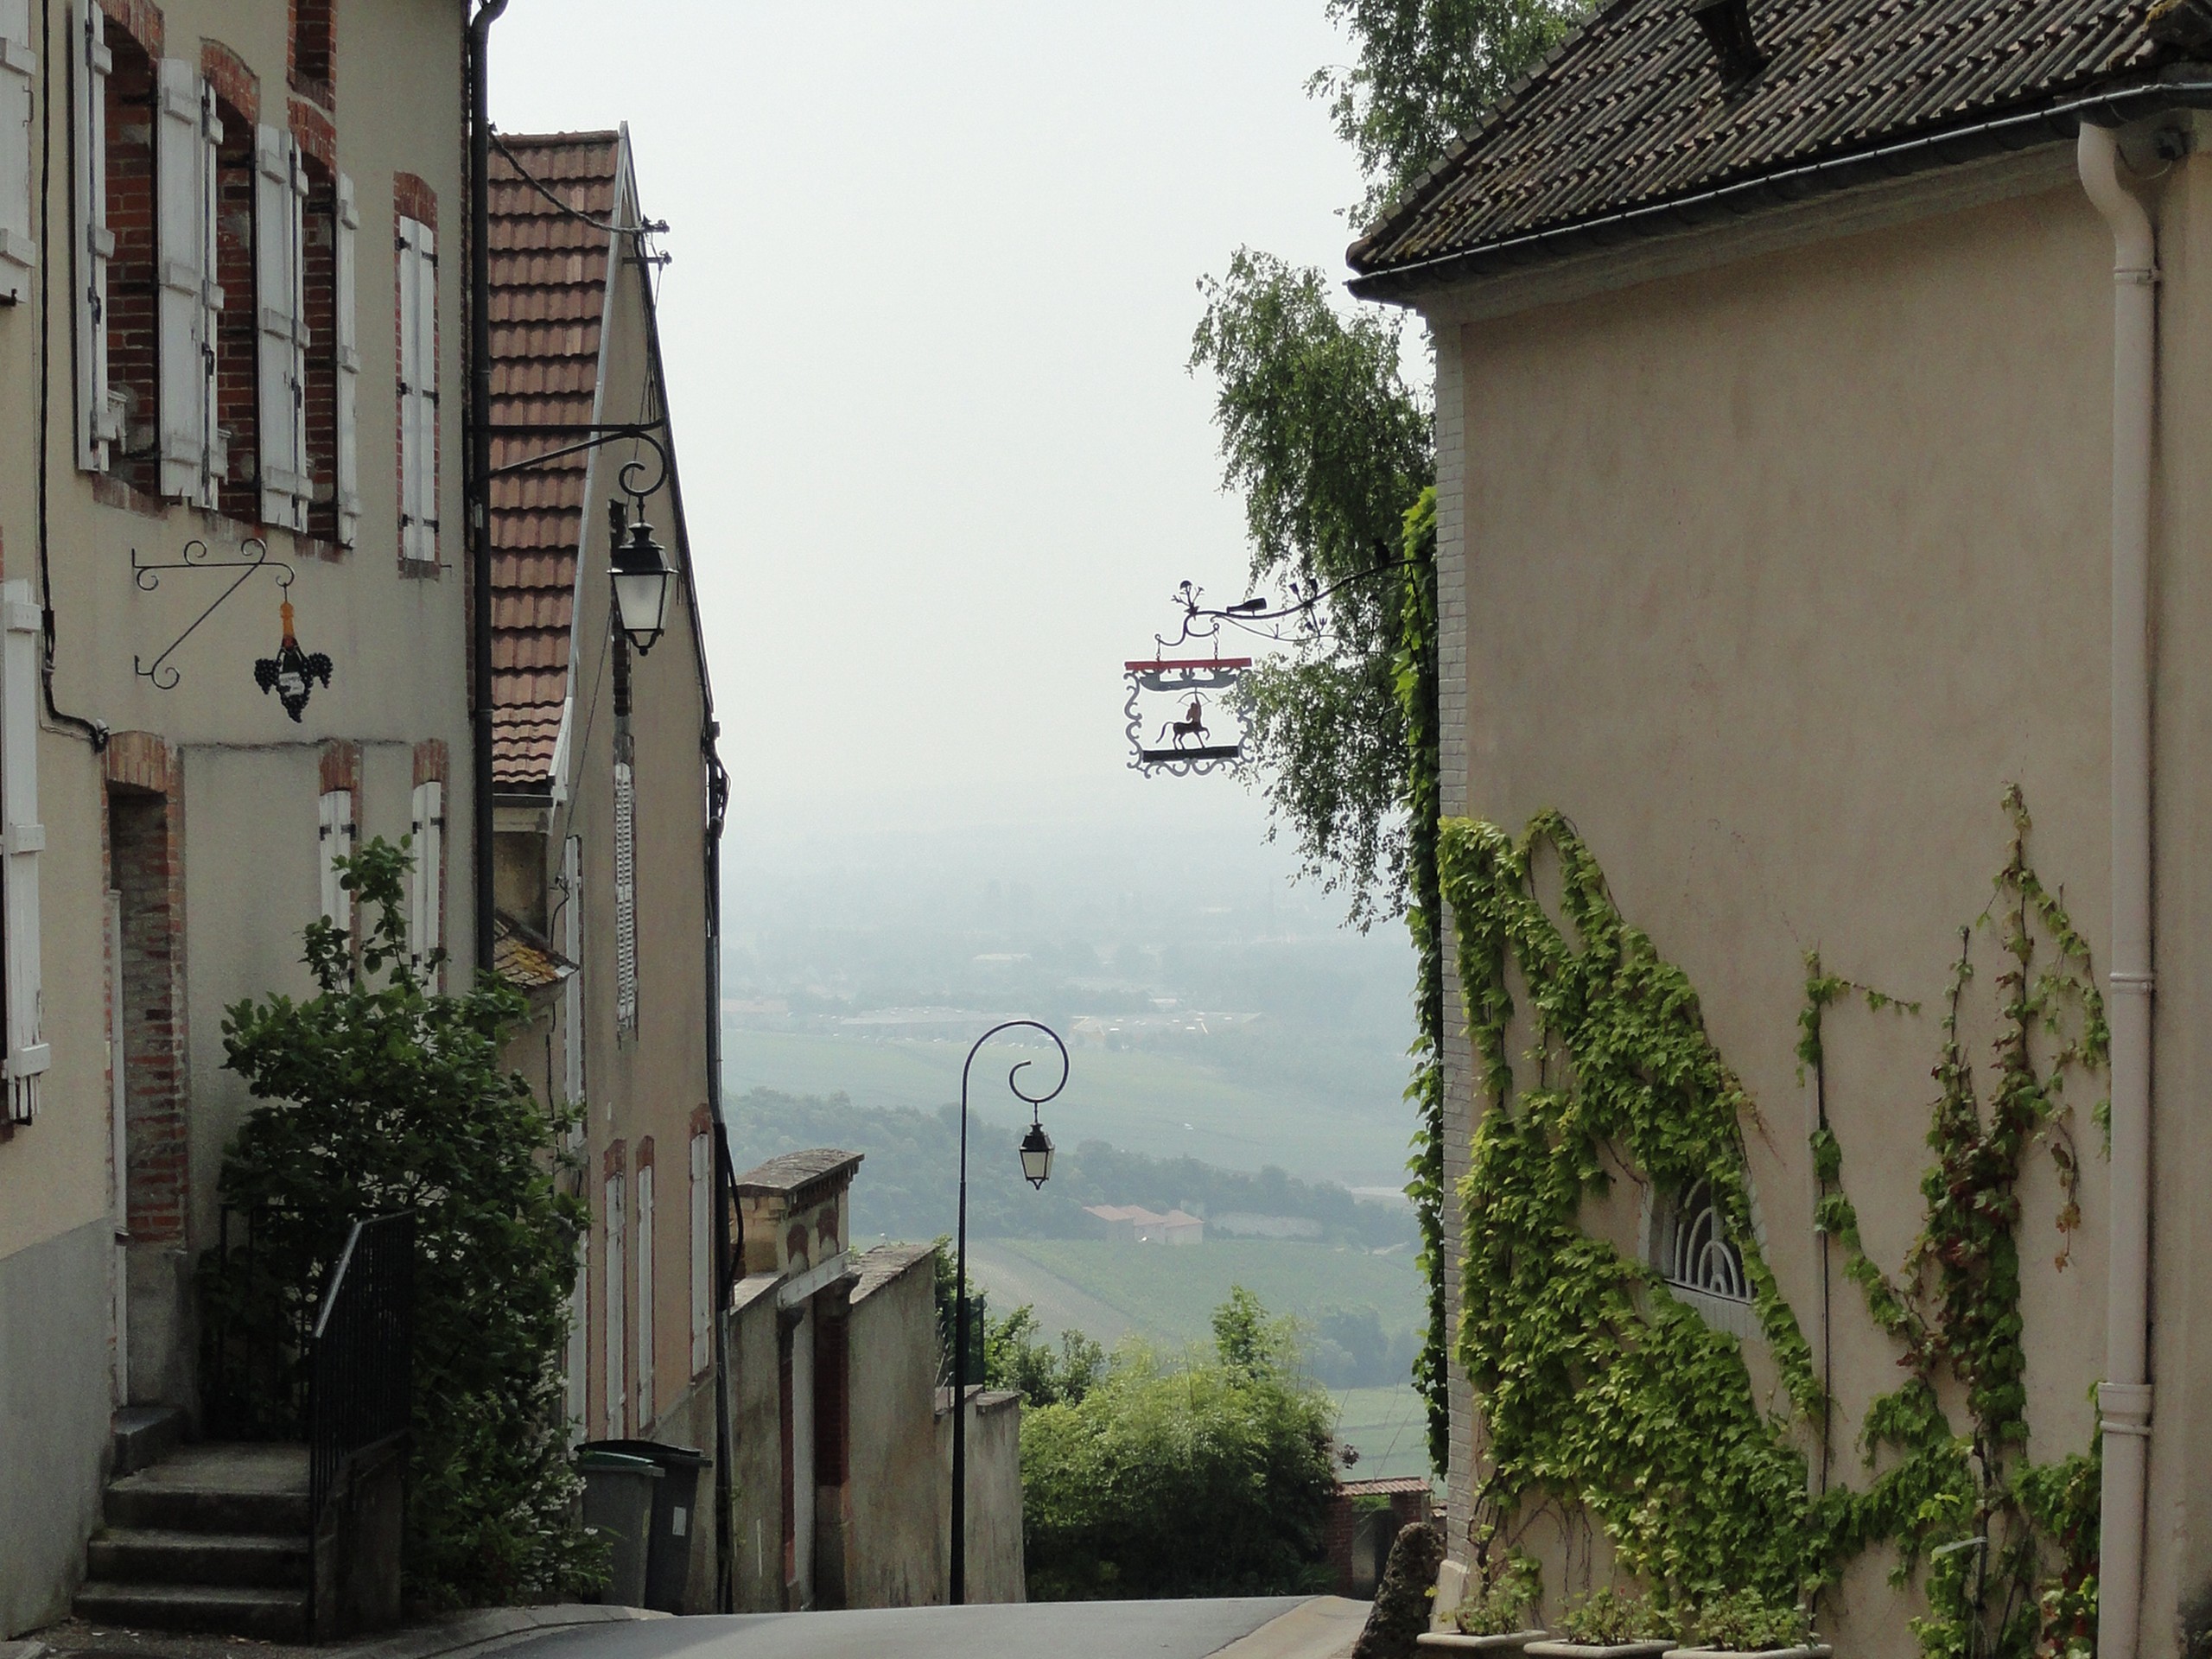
[[1500, 1647], [1586, 1650], [1814, 1650]]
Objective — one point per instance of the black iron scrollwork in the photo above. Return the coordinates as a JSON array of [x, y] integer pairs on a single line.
[[198, 556], [588, 436], [1261, 617]]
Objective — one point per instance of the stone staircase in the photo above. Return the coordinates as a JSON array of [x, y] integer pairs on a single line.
[[208, 1537]]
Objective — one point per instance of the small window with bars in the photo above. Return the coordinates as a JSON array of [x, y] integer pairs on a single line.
[[1702, 1266]]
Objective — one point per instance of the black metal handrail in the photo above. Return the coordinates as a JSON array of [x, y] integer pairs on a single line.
[[360, 1374]]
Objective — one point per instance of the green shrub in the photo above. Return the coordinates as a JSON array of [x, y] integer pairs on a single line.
[[1507, 1603], [1607, 1618], [383, 1097], [1746, 1623], [1207, 1476]]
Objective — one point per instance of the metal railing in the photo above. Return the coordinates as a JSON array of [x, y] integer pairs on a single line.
[[359, 1375], [253, 1381]]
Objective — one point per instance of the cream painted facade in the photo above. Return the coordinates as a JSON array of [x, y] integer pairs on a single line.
[[1770, 555], [217, 793]]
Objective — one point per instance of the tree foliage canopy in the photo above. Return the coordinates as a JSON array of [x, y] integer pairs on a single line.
[[383, 1096], [1206, 1477], [1427, 71]]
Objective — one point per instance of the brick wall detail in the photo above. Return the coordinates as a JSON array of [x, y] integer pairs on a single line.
[[146, 865], [235, 84], [311, 62], [139, 19], [237, 387], [133, 341]]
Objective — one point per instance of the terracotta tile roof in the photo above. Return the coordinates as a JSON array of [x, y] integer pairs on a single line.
[[1629, 112], [524, 958], [548, 290]]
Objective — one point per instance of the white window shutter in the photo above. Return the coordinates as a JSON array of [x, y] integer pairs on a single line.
[[646, 1400], [279, 199], [611, 1314], [626, 899], [349, 367], [419, 324], [425, 916], [572, 988], [97, 425], [336, 834], [580, 1337], [184, 158], [24, 837], [702, 1252], [18, 67]]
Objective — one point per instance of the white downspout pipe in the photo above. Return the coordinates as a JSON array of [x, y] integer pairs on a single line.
[[2124, 1397]]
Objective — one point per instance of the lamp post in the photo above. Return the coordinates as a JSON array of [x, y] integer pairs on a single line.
[[1036, 1169], [642, 577]]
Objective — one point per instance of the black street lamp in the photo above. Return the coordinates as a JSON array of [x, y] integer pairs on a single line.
[[642, 578], [1036, 1168]]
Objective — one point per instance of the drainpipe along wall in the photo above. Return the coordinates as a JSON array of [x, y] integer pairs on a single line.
[[2124, 1398]]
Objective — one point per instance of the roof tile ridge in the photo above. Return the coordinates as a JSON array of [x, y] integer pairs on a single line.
[[1415, 196]]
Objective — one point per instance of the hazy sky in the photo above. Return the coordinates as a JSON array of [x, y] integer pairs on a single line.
[[932, 294]]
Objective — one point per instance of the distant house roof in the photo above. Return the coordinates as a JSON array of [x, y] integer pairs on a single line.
[[1383, 1488], [1629, 114], [1139, 1216], [790, 1175], [549, 292]]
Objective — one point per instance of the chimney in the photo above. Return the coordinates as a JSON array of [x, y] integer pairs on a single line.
[[1727, 26]]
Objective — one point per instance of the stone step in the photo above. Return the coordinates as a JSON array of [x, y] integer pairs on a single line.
[[143, 1435], [149, 1555], [271, 1615], [216, 1487]]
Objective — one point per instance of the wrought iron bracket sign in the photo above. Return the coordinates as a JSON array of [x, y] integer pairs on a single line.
[[1184, 746], [587, 435], [198, 556]]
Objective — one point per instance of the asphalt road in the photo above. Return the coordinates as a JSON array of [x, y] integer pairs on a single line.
[[1078, 1630]]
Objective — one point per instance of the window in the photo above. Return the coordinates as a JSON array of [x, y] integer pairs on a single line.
[[89, 63], [626, 899], [336, 835], [572, 988], [646, 1402], [341, 519], [426, 881], [611, 1314], [18, 65], [189, 298], [131, 306], [1698, 1253], [418, 392], [237, 440], [702, 1251], [22, 837]]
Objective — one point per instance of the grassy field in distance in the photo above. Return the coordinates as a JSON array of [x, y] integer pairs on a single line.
[[1391, 1428], [1158, 1104]]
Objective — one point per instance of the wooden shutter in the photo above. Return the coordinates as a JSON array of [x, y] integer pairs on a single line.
[[611, 1314], [348, 355], [89, 63], [23, 837], [626, 899], [418, 396], [186, 133], [279, 190], [702, 1251], [424, 900], [646, 1402], [18, 65], [336, 836]]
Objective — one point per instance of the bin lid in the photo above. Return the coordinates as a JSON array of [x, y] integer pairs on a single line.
[[591, 1458], [668, 1456]]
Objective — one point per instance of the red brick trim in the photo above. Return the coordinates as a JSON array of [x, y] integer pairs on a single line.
[[315, 132], [234, 83], [341, 768], [148, 870], [414, 200], [109, 491], [613, 1162], [140, 19], [315, 21], [644, 1158], [702, 1119], [431, 760]]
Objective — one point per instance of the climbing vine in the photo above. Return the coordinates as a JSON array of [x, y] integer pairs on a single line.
[[1599, 1388], [2009, 1548], [1416, 680]]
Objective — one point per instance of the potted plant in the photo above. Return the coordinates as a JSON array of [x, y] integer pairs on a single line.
[[1745, 1623], [1499, 1618], [1609, 1624]]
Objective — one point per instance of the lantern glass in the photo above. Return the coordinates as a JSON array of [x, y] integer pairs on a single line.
[[642, 578], [1037, 1155]]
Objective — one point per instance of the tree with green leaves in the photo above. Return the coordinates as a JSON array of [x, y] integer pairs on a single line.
[[1332, 450], [1206, 1476], [384, 1097]]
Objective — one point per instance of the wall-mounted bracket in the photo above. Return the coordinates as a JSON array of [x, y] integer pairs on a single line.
[[199, 557], [582, 436]]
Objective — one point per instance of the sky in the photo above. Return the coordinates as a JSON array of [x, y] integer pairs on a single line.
[[934, 280]]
